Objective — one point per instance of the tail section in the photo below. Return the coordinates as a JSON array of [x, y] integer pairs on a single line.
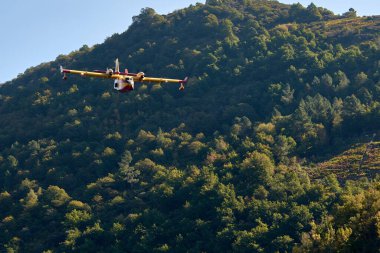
[[117, 65]]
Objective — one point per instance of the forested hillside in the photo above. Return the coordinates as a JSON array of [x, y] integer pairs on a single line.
[[272, 147]]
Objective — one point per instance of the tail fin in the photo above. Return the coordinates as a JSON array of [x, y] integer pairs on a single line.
[[117, 67]]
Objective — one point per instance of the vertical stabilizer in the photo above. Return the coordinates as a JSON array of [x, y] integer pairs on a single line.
[[117, 67]]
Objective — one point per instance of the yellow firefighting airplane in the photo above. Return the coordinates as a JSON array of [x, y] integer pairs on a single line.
[[124, 81]]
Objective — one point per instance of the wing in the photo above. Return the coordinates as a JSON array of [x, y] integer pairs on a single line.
[[157, 80], [97, 74], [161, 80]]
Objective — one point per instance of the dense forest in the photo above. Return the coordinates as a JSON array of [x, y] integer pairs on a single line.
[[274, 146]]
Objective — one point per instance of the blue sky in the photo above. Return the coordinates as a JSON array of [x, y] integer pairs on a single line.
[[38, 31]]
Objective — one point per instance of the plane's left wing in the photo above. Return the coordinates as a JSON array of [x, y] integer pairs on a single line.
[[109, 75]]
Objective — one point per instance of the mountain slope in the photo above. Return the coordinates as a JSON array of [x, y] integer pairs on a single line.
[[363, 160], [222, 166]]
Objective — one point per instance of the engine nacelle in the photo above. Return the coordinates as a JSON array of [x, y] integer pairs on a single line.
[[140, 75], [109, 72], [124, 84]]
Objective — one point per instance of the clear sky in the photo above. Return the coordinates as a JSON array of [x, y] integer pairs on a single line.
[[39, 30]]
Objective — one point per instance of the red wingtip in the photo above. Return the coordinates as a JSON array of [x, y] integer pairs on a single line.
[[184, 81]]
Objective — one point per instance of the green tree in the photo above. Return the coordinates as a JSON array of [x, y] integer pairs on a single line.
[[76, 217], [350, 14], [352, 106], [283, 147], [31, 199], [56, 196], [287, 95], [257, 168], [360, 79], [327, 82], [342, 81], [227, 30], [313, 12], [128, 173]]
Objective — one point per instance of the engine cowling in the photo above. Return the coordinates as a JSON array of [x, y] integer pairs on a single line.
[[140, 75], [109, 72]]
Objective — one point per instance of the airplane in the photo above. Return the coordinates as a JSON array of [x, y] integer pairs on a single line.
[[124, 81]]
